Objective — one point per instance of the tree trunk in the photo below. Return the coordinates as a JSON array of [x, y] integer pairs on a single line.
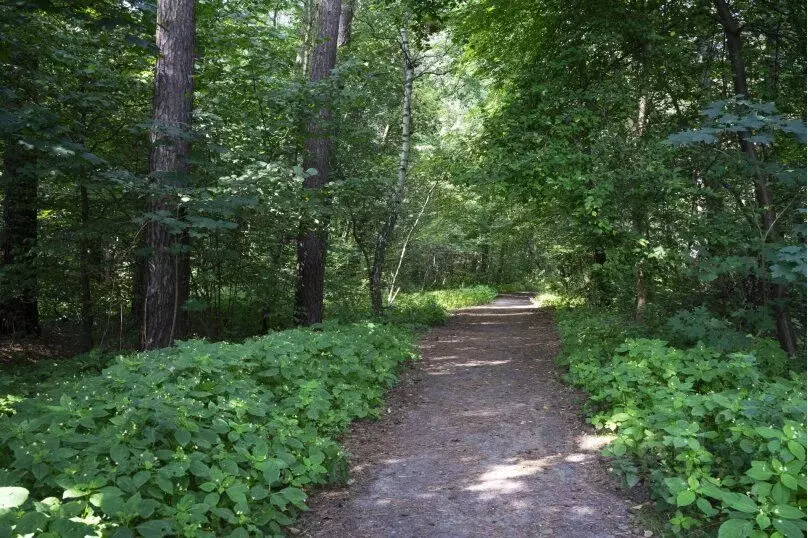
[[313, 234], [398, 191], [763, 196], [345, 20], [166, 289], [87, 321], [18, 272], [391, 294]]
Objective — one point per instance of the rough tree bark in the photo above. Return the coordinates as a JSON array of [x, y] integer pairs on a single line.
[[167, 287], [397, 195], [313, 233], [763, 196], [345, 20], [19, 308]]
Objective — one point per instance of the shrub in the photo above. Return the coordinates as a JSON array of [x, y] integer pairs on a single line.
[[463, 297], [720, 443], [198, 440], [432, 307]]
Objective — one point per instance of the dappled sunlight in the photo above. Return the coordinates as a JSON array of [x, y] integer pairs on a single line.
[[506, 478], [447, 368], [472, 364], [593, 442], [479, 313]]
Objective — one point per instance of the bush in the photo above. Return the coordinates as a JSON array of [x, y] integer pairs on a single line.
[[198, 440], [432, 307], [720, 443], [453, 299]]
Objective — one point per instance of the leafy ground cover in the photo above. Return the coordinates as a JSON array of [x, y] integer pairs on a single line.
[[203, 439], [715, 428]]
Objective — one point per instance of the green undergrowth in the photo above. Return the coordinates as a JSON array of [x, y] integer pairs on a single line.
[[203, 439], [416, 310], [714, 426], [434, 307]]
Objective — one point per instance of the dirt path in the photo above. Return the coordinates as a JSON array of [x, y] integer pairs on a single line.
[[481, 438]]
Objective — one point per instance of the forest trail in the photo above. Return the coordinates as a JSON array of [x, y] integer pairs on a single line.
[[480, 438]]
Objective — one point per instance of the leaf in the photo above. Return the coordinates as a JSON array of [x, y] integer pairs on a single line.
[[156, 528], [685, 498], [211, 499], [788, 528], [768, 433], [164, 483], [295, 496], [786, 511], [182, 436], [140, 478], [780, 494], [119, 453], [236, 494], [199, 469], [797, 449], [735, 528], [759, 473], [789, 481], [705, 506], [741, 503], [12, 497], [763, 521]]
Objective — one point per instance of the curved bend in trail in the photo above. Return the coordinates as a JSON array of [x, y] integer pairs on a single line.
[[481, 438]]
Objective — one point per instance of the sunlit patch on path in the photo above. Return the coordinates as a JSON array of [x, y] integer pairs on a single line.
[[481, 439]]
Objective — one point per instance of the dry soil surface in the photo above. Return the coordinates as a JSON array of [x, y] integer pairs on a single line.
[[481, 438]]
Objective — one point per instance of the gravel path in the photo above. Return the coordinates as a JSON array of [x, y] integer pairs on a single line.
[[481, 439]]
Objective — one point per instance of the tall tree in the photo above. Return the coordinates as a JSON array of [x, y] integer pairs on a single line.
[[168, 269], [313, 233], [18, 309], [765, 200], [397, 196]]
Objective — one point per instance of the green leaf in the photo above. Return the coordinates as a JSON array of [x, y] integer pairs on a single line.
[[797, 449], [741, 503], [735, 528], [119, 453], [140, 478], [763, 521], [182, 436], [788, 528], [236, 494], [759, 473], [156, 528], [12, 497], [30, 523], [768, 433], [199, 469], [685, 498], [705, 506], [211, 499], [780, 494], [789, 481], [295, 496], [164, 483], [786, 511]]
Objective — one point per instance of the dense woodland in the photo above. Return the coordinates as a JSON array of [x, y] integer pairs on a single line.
[[218, 170]]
